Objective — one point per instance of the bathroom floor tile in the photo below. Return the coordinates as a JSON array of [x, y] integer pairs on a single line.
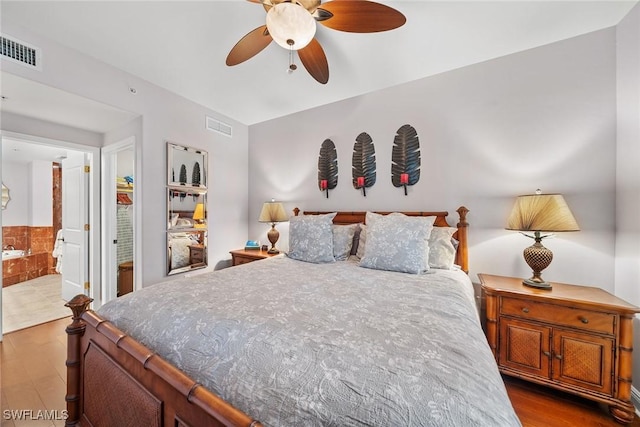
[[32, 302]]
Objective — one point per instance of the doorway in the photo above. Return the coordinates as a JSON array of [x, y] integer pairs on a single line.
[[119, 207], [30, 224]]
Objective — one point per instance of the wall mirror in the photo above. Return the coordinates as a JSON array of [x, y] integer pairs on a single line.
[[5, 196], [187, 250], [187, 208], [186, 166]]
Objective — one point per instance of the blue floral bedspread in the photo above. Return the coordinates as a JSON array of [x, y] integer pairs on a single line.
[[298, 344]]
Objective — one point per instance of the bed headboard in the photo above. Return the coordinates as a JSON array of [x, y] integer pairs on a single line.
[[462, 253]]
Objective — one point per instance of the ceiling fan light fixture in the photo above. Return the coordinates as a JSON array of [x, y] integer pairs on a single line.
[[288, 22]]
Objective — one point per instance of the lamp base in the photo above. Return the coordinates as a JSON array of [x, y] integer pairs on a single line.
[[534, 284], [273, 236]]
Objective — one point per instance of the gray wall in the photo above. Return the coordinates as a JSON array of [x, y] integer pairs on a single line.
[[164, 117], [544, 118], [627, 268]]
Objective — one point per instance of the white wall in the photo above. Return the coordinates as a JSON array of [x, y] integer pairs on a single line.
[[164, 117], [627, 266], [543, 118], [40, 193], [16, 177], [31, 190]]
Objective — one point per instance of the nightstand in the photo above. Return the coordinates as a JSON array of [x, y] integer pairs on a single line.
[[573, 338], [242, 256], [196, 254]]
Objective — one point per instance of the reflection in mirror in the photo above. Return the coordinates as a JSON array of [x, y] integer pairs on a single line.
[[187, 208], [5, 196], [187, 250], [186, 166]]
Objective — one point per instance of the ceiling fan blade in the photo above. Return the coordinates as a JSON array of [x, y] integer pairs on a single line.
[[315, 61], [310, 5], [249, 46], [361, 16]]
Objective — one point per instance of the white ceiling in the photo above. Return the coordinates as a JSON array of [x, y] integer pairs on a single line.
[[182, 45], [24, 152], [33, 99]]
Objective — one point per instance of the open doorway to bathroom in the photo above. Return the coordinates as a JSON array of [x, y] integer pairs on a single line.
[[32, 220]]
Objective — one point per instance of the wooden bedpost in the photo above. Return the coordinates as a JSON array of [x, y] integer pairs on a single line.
[[296, 211], [462, 255], [78, 305]]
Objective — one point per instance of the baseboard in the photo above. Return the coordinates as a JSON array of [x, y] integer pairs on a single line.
[[635, 399]]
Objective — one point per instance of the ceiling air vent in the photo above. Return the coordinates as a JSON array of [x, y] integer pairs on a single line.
[[20, 52], [218, 126]]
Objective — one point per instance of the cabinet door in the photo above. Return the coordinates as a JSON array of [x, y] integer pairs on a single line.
[[524, 347], [583, 360]]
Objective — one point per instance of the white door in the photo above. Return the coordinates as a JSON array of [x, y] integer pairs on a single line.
[[75, 214]]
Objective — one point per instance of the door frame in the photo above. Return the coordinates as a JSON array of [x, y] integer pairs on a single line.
[[95, 291], [109, 199]]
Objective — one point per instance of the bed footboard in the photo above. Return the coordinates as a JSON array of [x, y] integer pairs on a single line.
[[112, 379]]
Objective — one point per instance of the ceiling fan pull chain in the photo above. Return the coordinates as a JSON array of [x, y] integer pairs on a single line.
[[292, 66]]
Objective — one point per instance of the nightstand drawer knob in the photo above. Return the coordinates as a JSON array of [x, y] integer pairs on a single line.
[[546, 353], [525, 310], [584, 320], [558, 356]]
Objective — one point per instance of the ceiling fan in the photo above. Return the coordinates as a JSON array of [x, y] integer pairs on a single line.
[[292, 25]]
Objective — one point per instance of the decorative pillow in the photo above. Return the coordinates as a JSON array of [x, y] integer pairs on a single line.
[[362, 241], [370, 217], [343, 240], [311, 238], [397, 242], [442, 252]]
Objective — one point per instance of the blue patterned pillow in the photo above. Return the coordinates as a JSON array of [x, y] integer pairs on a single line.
[[397, 242], [311, 238], [343, 240], [442, 252]]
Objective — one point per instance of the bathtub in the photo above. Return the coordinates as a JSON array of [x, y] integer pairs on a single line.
[[12, 253]]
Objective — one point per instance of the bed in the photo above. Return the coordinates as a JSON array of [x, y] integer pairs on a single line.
[[290, 342]]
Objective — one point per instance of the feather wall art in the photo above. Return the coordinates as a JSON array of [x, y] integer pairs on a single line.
[[327, 167], [405, 158], [363, 163], [195, 175]]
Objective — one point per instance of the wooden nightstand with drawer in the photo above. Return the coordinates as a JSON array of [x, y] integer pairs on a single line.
[[574, 338], [197, 254], [242, 256]]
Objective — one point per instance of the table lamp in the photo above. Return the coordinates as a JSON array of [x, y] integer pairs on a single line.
[[199, 216], [540, 213], [273, 212]]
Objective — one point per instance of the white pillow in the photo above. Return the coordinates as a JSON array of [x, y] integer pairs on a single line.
[[442, 252], [397, 242], [343, 240], [311, 238]]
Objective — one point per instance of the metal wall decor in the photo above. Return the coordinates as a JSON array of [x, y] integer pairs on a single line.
[[405, 158], [327, 167], [363, 163]]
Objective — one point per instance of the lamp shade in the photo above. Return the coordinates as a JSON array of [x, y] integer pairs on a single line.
[[198, 213], [273, 212], [290, 21], [541, 212]]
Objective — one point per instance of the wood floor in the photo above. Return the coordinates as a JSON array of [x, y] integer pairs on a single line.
[[33, 377]]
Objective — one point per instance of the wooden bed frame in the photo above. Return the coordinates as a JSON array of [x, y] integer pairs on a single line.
[[112, 379]]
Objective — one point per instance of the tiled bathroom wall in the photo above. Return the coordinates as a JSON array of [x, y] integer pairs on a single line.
[[38, 263]]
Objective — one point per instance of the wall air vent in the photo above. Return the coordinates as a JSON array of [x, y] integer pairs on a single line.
[[218, 126], [18, 51]]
